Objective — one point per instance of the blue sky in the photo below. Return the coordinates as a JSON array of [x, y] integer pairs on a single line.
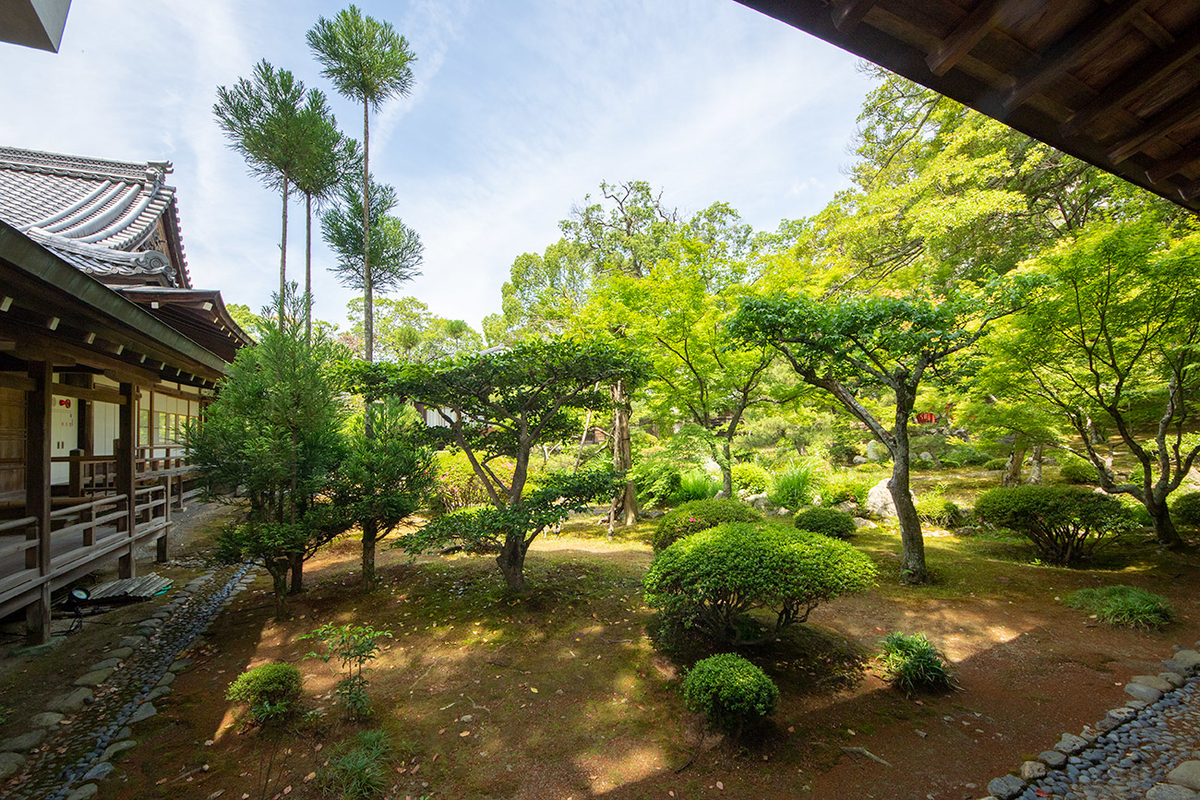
[[520, 109]]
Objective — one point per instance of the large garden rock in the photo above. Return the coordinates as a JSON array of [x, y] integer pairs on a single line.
[[1186, 774], [876, 451], [1006, 787], [9, 764], [1142, 692], [879, 500], [1169, 791]]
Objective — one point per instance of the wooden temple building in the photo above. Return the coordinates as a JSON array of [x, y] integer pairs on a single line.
[[107, 352]]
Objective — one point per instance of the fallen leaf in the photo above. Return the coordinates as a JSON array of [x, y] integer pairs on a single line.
[[533, 689], [720, 786], [309, 776], [465, 733]]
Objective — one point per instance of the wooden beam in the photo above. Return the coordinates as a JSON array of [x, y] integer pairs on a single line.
[[82, 393], [11, 380], [1190, 191], [1170, 166], [1138, 80], [847, 14], [1064, 53], [1181, 112], [1150, 28], [969, 33]]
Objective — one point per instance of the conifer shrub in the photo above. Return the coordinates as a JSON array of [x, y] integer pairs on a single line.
[[1064, 524], [710, 581], [1124, 605], [1186, 509], [729, 691], [699, 515], [270, 692], [826, 521]]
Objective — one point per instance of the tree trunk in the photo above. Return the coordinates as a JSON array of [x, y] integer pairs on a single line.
[[1035, 465], [1012, 468], [307, 267], [283, 253], [278, 567], [296, 563], [726, 466], [512, 563], [912, 561], [1164, 526], [369, 535], [626, 502]]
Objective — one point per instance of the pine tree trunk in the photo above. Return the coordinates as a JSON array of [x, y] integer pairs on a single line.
[[370, 532], [283, 253], [307, 267]]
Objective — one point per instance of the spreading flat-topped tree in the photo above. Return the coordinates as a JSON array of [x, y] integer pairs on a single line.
[[501, 405]]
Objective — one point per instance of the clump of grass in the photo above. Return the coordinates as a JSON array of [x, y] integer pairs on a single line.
[[358, 770], [912, 663], [1124, 605]]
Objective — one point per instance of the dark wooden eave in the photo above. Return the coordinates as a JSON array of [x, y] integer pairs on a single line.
[[200, 314], [1116, 84]]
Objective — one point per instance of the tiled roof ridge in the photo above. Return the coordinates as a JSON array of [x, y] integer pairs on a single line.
[[82, 166]]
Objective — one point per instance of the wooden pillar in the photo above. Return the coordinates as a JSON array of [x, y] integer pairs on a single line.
[[127, 473], [161, 552], [37, 492]]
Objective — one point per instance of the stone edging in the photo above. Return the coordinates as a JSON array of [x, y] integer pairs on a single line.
[[1149, 694]]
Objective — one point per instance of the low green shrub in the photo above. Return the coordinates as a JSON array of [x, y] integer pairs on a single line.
[[1064, 524], [912, 663], [826, 521], [967, 456], [1078, 472], [699, 515], [456, 485], [841, 486], [1185, 510], [270, 692], [729, 691], [796, 485], [696, 485], [1124, 605], [658, 481], [358, 769], [711, 580], [995, 463], [750, 478]]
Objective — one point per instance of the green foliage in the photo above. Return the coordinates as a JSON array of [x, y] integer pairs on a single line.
[[795, 485], [271, 691], [396, 249], [842, 485], [967, 456], [457, 486], [1078, 472], [699, 515], [357, 770], [933, 508], [658, 481], [711, 580], [729, 691], [995, 463], [750, 478], [912, 663], [826, 521], [697, 484], [1186, 509], [1124, 605], [354, 646], [1064, 524]]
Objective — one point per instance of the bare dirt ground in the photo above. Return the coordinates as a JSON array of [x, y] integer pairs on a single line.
[[565, 695]]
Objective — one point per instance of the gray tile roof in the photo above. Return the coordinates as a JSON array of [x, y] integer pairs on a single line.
[[101, 216]]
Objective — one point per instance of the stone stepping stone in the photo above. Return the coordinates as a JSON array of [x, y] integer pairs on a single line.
[[1153, 681], [121, 652], [98, 772], [132, 641], [71, 702], [1169, 791], [1140, 691], [116, 748], [9, 764], [180, 665], [161, 691], [84, 792], [144, 711], [166, 680], [1186, 774], [25, 742], [46, 719], [1188, 659], [1070, 744], [105, 664], [94, 678], [1052, 759], [1006, 787]]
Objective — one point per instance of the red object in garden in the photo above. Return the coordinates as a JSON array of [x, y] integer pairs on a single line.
[[926, 417]]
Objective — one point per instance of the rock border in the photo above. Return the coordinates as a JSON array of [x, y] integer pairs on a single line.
[[1183, 782]]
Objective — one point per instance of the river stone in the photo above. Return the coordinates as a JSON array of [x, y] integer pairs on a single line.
[[98, 772], [46, 719], [1188, 659], [1052, 759], [180, 665], [1032, 770], [132, 641], [1006, 787], [121, 652], [70, 702], [166, 680], [1168, 791], [1141, 692], [25, 742], [1186, 774], [1070, 744], [84, 792], [116, 748], [1173, 678], [9, 764], [1153, 681], [94, 678], [144, 711]]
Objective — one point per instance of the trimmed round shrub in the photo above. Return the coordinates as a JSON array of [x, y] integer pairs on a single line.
[[271, 691], [1186, 509], [827, 522], [1124, 605], [995, 463], [711, 580], [1064, 524], [911, 662], [1078, 473], [729, 691], [750, 478], [699, 515]]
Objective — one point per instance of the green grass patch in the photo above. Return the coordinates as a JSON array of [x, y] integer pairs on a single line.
[[911, 663], [1124, 605]]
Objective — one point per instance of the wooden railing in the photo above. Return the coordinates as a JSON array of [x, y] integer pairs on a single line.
[[26, 526], [97, 475]]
